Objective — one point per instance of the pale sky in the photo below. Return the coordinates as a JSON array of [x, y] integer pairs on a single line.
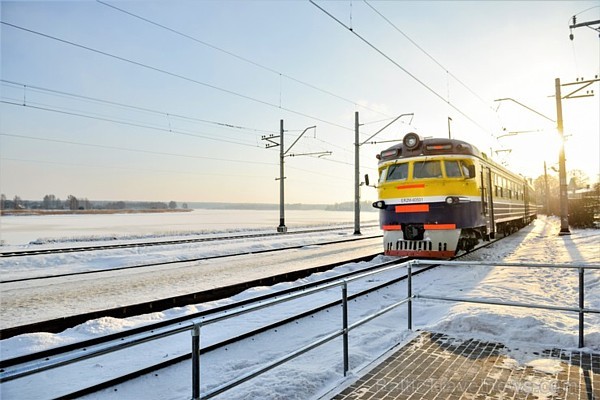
[[170, 103]]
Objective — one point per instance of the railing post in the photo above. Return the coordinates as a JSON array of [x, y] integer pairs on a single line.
[[345, 326], [409, 295], [196, 362], [581, 306]]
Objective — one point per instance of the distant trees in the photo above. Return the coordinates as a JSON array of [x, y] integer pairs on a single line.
[[73, 203], [548, 197], [51, 202], [117, 205], [584, 201]]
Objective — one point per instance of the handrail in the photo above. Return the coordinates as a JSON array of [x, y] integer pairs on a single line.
[[580, 267], [195, 325]]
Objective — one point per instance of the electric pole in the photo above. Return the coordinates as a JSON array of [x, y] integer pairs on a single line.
[[562, 173], [272, 139], [588, 24], [356, 175], [357, 184]]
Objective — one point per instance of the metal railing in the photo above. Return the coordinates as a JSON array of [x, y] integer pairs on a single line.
[[580, 309], [346, 328], [195, 326], [344, 331]]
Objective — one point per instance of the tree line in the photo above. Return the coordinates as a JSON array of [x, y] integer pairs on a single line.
[[584, 199], [51, 202]]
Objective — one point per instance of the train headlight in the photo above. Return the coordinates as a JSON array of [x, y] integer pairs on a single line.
[[379, 204], [452, 200], [411, 141]]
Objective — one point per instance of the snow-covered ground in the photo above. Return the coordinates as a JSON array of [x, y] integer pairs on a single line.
[[120, 283], [22, 230], [318, 371]]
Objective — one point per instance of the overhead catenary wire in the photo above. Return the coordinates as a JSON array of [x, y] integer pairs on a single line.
[[387, 57], [244, 59], [134, 124], [173, 74], [130, 149], [132, 107], [137, 150], [487, 104]]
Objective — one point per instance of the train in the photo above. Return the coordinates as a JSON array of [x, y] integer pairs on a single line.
[[440, 197]]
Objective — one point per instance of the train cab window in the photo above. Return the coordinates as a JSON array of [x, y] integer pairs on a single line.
[[453, 169], [465, 170], [382, 175], [427, 169], [397, 172]]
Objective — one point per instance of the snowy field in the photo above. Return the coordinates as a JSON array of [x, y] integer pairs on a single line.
[[22, 230], [523, 331]]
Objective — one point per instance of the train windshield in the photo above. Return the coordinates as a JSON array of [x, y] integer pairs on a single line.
[[456, 169], [397, 172], [427, 169]]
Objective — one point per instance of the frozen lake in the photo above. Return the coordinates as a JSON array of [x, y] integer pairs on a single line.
[[21, 230]]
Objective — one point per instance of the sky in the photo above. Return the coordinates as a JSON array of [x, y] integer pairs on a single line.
[[161, 101]]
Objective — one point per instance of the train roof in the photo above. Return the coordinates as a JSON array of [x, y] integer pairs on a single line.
[[413, 146]]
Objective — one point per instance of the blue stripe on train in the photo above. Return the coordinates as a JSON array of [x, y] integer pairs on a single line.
[[464, 215]]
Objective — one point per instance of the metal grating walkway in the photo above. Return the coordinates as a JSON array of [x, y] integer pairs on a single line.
[[436, 366]]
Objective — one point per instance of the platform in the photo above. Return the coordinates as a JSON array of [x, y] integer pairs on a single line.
[[436, 366]]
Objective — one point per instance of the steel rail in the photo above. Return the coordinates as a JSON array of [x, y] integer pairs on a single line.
[[146, 328], [22, 253], [36, 366], [336, 281], [195, 259]]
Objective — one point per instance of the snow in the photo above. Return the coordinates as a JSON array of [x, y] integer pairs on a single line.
[[36, 229], [523, 331]]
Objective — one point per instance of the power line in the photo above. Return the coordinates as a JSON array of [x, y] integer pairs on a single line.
[[135, 150], [129, 149], [436, 94], [137, 108], [172, 74], [169, 130], [427, 54], [256, 64], [43, 107]]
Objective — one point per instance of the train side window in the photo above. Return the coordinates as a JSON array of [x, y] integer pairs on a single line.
[[427, 169], [382, 174], [453, 169], [397, 172], [465, 169]]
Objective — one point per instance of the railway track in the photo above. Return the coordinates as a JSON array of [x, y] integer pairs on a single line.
[[7, 367], [43, 251], [88, 347], [60, 324], [182, 261]]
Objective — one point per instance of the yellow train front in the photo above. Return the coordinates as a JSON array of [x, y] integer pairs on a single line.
[[441, 196]]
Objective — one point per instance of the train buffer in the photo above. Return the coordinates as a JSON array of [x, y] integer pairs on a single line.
[[437, 366]]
